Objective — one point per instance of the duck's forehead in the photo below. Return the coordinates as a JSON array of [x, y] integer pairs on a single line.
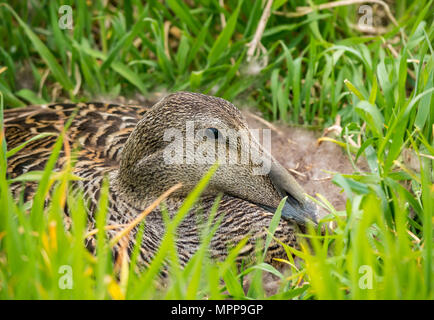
[[207, 110], [223, 114]]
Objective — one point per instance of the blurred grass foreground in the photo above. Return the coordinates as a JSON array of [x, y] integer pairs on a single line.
[[367, 63]]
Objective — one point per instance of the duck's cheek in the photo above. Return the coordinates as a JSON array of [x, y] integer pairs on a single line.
[[258, 192]]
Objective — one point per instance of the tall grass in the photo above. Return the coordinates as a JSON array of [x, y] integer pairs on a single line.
[[311, 69]]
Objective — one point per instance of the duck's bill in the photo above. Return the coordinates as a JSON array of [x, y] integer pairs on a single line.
[[298, 208], [300, 213]]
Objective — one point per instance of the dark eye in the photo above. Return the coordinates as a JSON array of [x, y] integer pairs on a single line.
[[212, 133]]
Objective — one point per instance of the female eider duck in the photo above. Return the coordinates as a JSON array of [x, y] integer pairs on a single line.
[[130, 144]]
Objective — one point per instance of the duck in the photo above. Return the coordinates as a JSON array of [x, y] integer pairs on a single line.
[[145, 151]]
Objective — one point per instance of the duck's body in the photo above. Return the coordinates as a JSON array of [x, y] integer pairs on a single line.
[[126, 144]]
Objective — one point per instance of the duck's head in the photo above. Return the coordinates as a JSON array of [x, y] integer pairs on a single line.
[[184, 134]]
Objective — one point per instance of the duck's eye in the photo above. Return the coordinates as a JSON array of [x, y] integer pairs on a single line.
[[212, 133]]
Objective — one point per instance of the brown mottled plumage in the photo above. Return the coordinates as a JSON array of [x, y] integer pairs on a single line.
[[127, 142]]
